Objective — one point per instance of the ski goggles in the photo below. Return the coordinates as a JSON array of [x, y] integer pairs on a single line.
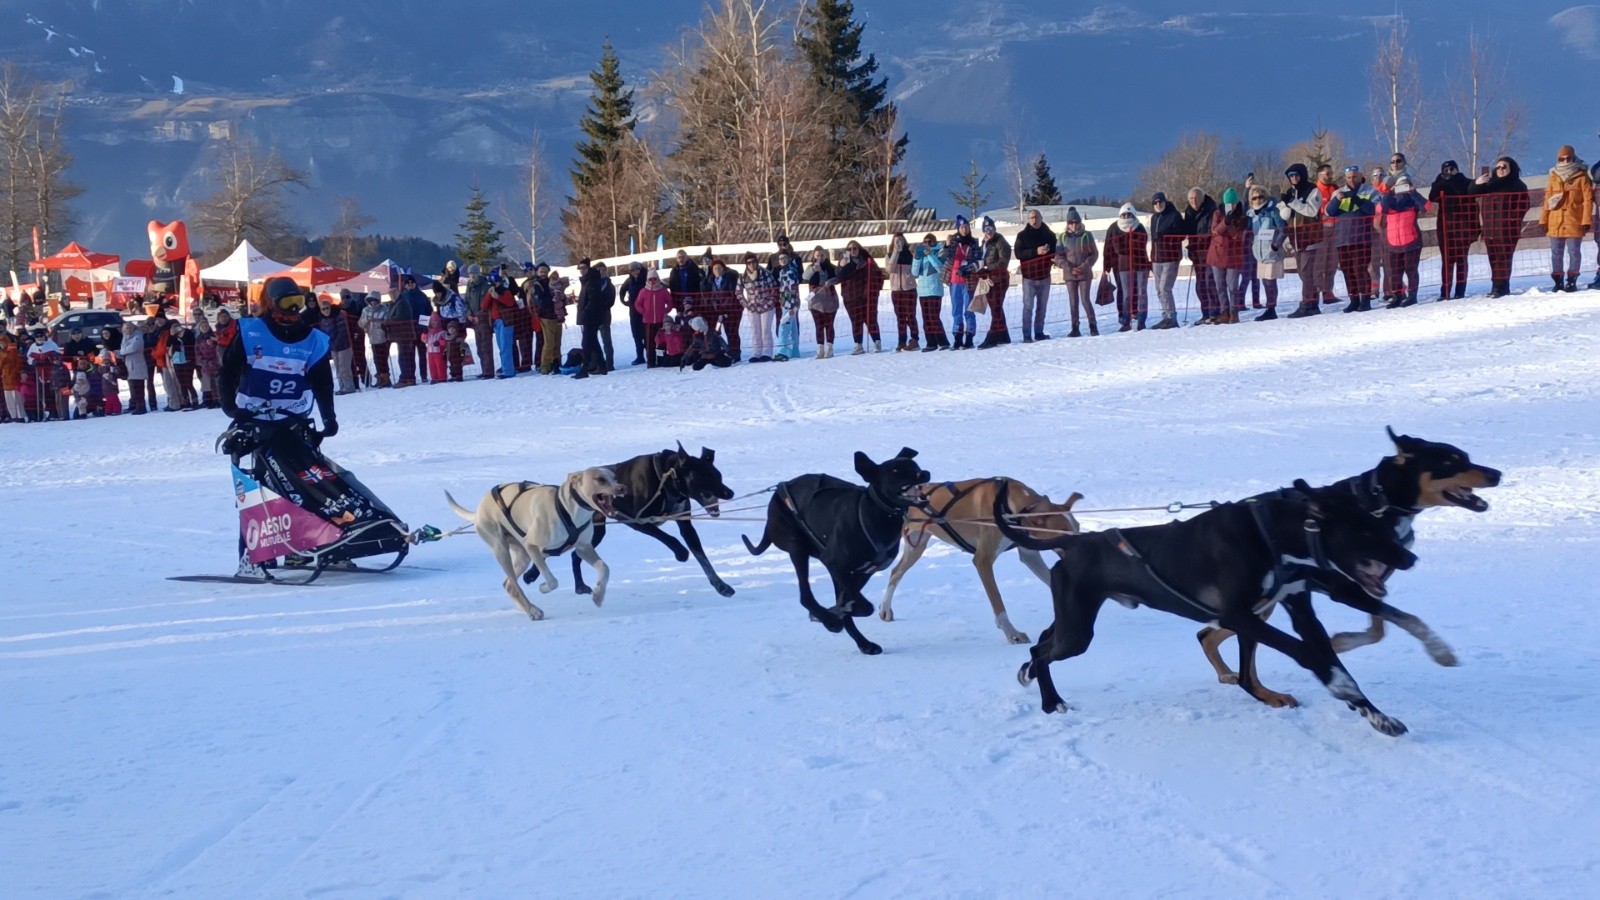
[[291, 303]]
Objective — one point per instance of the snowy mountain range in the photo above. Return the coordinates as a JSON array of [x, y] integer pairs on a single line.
[[403, 104]]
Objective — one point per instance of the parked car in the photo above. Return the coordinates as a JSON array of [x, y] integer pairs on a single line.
[[89, 321]]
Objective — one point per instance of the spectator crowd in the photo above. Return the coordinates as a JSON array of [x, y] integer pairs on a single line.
[[1365, 229]]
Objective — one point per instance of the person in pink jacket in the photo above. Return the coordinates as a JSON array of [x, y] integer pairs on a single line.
[[653, 303], [1399, 208]]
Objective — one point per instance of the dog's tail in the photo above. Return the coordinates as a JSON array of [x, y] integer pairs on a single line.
[[1002, 520], [460, 510], [757, 549]]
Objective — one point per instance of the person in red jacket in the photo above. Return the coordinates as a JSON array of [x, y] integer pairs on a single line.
[[1225, 256], [1127, 255]]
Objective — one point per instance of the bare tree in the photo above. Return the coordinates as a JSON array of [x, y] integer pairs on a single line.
[[526, 226], [1396, 94], [343, 242], [1325, 147], [34, 190], [1016, 166], [1204, 160], [749, 148], [1487, 122], [248, 202]]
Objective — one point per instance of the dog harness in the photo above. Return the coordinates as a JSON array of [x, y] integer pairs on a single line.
[[881, 555], [940, 519], [573, 531], [1281, 573]]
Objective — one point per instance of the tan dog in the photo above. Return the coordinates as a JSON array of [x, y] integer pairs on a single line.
[[526, 523], [968, 510]]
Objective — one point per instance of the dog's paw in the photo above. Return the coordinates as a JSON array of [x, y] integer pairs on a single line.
[[1277, 700], [886, 613], [1441, 653], [582, 590], [829, 621], [680, 554], [870, 649], [723, 588], [1055, 706], [535, 613], [1388, 725], [1025, 675], [548, 586], [1018, 637], [599, 597], [861, 608], [1229, 678]]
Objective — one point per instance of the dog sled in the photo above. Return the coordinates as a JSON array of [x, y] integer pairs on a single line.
[[301, 514]]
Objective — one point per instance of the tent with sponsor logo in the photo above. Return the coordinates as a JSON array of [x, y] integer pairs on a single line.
[[244, 265]]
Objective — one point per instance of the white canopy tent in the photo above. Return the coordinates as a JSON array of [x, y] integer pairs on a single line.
[[244, 264]]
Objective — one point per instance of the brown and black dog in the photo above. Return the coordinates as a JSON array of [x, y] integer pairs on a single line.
[[1420, 475], [960, 513]]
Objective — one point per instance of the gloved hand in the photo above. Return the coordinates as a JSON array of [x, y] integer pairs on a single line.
[[330, 427]]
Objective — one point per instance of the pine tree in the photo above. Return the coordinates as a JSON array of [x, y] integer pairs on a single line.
[[1044, 191], [479, 240], [829, 40], [972, 197], [607, 121], [608, 197]]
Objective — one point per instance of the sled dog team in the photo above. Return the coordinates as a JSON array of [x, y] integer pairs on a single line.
[[1227, 568]]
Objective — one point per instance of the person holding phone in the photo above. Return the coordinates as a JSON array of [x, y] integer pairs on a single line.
[[1502, 205]]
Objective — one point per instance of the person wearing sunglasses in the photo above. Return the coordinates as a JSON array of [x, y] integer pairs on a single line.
[[1502, 205], [1567, 215]]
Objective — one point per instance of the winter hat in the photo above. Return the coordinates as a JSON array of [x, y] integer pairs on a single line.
[[1074, 217], [988, 224], [1127, 210], [527, 267], [1566, 150], [1448, 164], [474, 269], [1230, 197], [960, 221], [1158, 197], [1297, 169]]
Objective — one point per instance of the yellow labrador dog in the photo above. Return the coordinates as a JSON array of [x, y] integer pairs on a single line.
[[967, 508], [527, 523]]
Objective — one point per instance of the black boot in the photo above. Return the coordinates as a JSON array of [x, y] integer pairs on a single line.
[[958, 345], [1355, 305], [1306, 308], [1560, 284], [1394, 302], [1461, 290], [1572, 284], [1270, 314], [1410, 299]]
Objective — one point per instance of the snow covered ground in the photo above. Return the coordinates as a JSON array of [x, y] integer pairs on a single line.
[[412, 735]]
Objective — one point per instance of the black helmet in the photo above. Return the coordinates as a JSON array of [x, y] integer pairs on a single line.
[[283, 294]]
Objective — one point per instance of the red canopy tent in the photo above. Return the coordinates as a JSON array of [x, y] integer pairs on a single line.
[[74, 258], [313, 273]]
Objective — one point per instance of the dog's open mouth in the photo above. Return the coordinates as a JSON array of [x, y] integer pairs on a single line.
[[606, 504], [713, 508], [1370, 574], [914, 495], [1466, 499]]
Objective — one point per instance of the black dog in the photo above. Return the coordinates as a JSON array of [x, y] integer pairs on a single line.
[[664, 484], [1421, 475], [1216, 568], [854, 531]]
